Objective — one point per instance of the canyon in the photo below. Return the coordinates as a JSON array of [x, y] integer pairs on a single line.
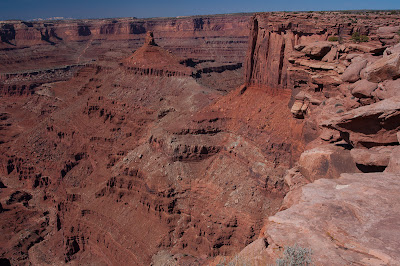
[[200, 140]]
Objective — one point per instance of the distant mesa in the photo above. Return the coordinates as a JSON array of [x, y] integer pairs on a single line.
[[151, 59]]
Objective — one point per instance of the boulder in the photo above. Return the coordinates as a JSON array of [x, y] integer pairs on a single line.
[[318, 65], [372, 47], [345, 221], [299, 108], [385, 68], [363, 88], [317, 50], [372, 125], [392, 50], [352, 56], [326, 79], [327, 161], [389, 39], [352, 72], [294, 179], [303, 96], [299, 47], [394, 161], [387, 30], [330, 135], [376, 158], [331, 56], [387, 89]]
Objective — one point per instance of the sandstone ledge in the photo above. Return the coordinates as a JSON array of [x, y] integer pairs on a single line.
[[350, 220]]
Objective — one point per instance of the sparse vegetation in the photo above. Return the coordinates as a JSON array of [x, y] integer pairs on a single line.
[[333, 38], [353, 21], [295, 256], [358, 37]]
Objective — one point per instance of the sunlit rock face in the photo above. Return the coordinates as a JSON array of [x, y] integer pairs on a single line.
[[186, 140]]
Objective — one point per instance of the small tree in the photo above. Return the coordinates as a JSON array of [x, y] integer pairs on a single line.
[[333, 38], [357, 37]]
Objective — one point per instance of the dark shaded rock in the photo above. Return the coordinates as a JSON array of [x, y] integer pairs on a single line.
[[326, 162], [19, 196], [372, 125], [374, 157], [317, 50]]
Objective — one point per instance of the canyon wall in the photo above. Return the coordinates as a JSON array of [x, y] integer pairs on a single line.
[[118, 155], [274, 35], [220, 37], [35, 49]]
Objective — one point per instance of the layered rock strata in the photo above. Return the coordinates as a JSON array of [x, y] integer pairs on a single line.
[[120, 167], [346, 94], [130, 166], [44, 47]]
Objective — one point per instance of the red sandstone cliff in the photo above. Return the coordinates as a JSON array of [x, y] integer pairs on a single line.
[[274, 35], [345, 92], [33, 53]]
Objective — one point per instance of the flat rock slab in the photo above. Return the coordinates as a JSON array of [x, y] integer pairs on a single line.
[[385, 68], [371, 125], [363, 88], [317, 49], [353, 220], [376, 156]]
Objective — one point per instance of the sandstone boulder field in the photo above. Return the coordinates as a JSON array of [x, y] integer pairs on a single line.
[[204, 140]]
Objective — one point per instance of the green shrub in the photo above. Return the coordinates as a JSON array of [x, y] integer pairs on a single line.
[[357, 37], [295, 256], [354, 21], [333, 38]]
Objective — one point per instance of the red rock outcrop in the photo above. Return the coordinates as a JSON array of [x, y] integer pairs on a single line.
[[344, 93], [275, 37], [372, 125], [147, 158], [343, 221], [150, 59]]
